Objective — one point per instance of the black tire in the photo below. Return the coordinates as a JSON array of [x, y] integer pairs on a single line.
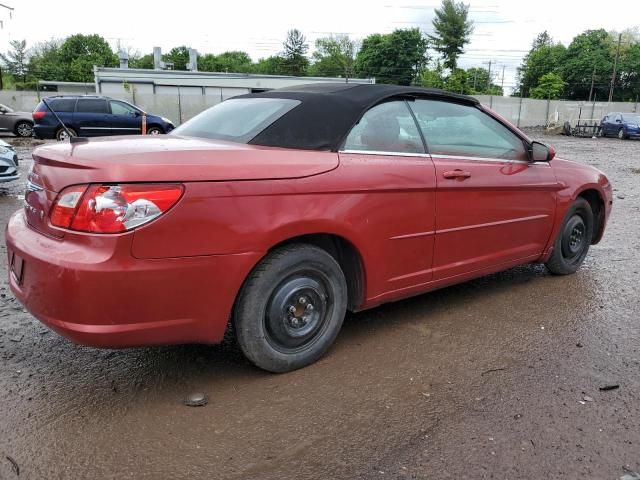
[[290, 308], [154, 131], [23, 129], [573, 240], [621, 134], [61, 134]]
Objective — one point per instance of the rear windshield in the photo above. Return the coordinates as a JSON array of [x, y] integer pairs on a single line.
[[237, 120]]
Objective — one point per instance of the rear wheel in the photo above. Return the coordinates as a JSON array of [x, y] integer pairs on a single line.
[[24, 129], [573, 240], [62, 135], [291, 308]]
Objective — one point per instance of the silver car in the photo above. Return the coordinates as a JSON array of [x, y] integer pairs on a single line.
[[19, 123], [8, 163]]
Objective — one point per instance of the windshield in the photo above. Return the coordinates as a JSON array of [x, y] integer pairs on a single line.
[[236, 120], [632, 118], [5, 108]]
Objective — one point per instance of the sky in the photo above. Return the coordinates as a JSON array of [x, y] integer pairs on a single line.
[[503, 29]]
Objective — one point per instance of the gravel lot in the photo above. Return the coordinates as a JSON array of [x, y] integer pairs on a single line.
[[496, 378]]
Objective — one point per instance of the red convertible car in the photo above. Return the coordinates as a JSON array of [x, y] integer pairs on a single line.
[[278, 211]]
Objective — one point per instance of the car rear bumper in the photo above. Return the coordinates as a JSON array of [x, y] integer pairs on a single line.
[[44, 132], [92, 291]]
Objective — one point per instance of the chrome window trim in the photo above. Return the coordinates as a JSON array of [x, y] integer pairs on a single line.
[[448, 157], [486, 159], [380, 152]]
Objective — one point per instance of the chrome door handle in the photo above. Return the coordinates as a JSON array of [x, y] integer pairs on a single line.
[[456, 174]]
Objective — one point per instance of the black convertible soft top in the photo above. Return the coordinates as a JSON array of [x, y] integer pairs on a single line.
[[328, 111]]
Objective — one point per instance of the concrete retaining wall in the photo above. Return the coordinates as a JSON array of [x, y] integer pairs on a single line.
[[179, 107]]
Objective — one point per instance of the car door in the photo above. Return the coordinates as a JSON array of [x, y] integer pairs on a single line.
[[91, 117], [494, 207], [384, 155], [617, 124], [124, 119]]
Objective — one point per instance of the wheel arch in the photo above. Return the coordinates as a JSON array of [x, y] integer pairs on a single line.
[[596, 202], [345, 253]]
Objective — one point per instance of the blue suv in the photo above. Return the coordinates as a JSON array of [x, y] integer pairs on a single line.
[[623, 125], [91, 116]]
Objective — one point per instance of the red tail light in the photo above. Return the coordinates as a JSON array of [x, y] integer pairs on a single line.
[[112, 208], [38, 115]]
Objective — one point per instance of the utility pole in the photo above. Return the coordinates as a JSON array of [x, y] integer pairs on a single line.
[[489, 79], [593, 78], [615, 66], [502, 84]]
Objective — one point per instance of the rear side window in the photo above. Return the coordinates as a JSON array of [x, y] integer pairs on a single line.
[[61, 104], [91, 105], [237, 120], [388, 127], [464, 130]]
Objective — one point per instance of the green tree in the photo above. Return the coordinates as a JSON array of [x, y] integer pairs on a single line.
[[234, 61], [550, 87], [452, 31], [269, 66], [179, 56], [592, 49], [141, 61], [79, 53], [44, 63], [16, 60], [334, 57], [396, 58], [544, 57], [294, 60], [628, 83], [432, 77]]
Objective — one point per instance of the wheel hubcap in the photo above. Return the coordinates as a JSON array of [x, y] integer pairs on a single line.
[[574, 238], [297, 311], [25, 130], [63, 136]]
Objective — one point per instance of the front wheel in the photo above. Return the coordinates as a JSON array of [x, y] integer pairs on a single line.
[[573, 240], [290, 308], [621, 134], [154, 131]]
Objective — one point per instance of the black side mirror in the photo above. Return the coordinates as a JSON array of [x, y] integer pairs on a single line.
[[541, 152]]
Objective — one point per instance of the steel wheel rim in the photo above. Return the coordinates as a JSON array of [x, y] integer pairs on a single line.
[[574, 238], [154, 131], [298, 312], [63, 135], [25, 130], [620, 134]]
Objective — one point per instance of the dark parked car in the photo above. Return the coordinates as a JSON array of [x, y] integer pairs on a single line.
[[623, 125], [19, 123], [94, 116]]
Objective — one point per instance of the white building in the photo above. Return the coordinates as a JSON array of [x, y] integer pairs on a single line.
[[115, 81]]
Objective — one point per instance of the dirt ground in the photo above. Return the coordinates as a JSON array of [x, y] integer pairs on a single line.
[[496, 378]]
